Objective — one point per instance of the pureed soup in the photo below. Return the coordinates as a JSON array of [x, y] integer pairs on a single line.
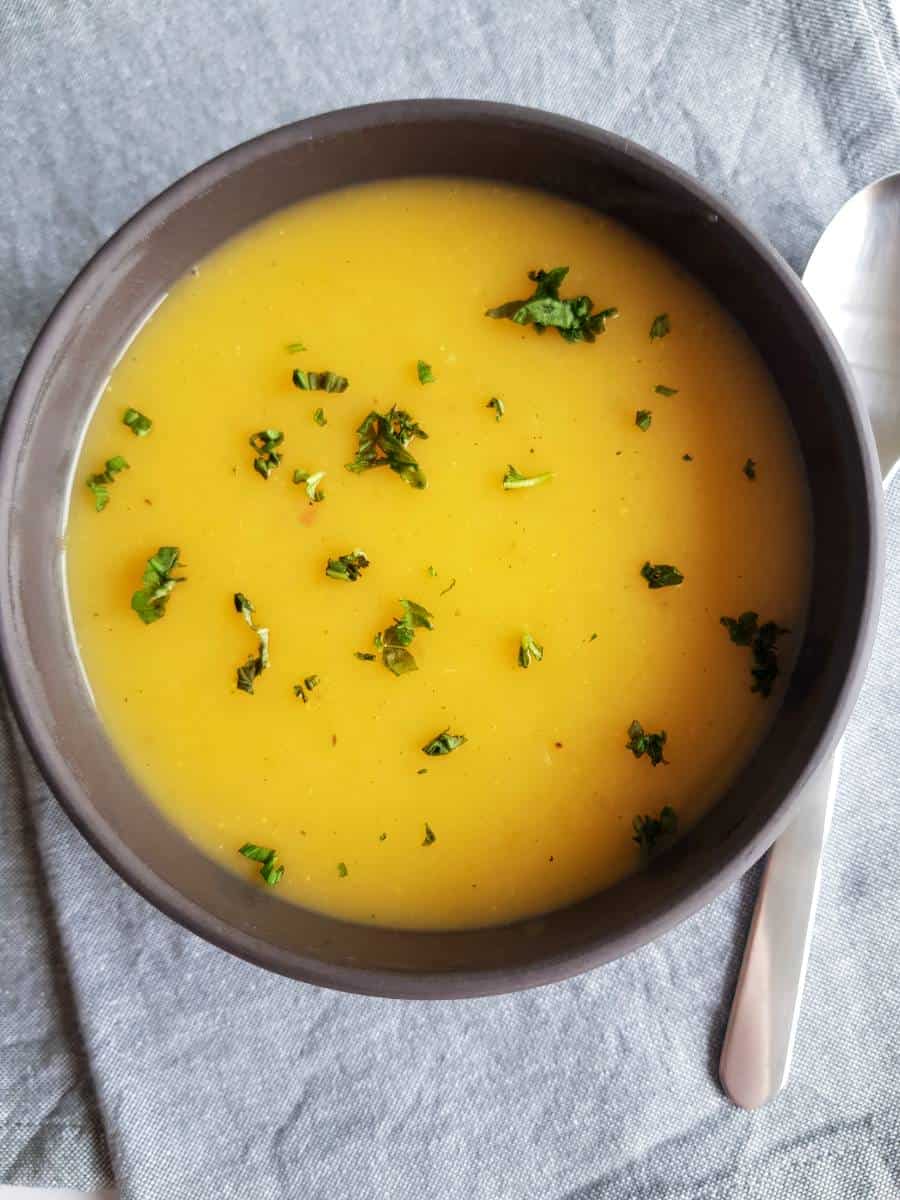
[[423, 614]]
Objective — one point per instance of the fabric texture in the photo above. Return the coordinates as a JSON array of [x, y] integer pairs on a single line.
[[209, 1078]]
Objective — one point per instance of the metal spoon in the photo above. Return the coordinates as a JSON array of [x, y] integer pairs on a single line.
[[854, 278]]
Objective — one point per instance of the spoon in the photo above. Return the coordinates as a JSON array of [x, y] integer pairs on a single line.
[[854, 278]]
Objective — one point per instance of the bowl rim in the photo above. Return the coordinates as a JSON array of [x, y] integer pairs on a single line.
[[55, 770]]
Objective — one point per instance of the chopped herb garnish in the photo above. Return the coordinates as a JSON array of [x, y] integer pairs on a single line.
[[746, 631], [444, 743], [256, 663], [313, 492], [139, 425], [573, 318], [515, 479], [149, 601], [660, 327], [661, 575], [349, 566], [449, 588], [529, 651], [749, 468], [430, 837], [319, 417], [364, 655], [662, 390], [592, 638], [432, 572], [382, 837], [422, 771], [651, 832], [642, 418], [99, 483], [294, 347], [497, 405], [687, 458], [266, 444], [393, 642], [319, 381], [641, 743], [301, 689], [342, 870], [268, 860], [424, 372], [383, 442]]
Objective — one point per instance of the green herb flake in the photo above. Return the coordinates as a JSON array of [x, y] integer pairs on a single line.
[[449, 588], [444, 743], [592, 638], [432, 572], [294, 347], [660, 327], [364, 655], [271, 872], [301, 690], [424, 372], [384, 440], [651, 833], [99, 483], [573, 318], [642, 419], [662, 390], [393, 642], [382, 837], [319, 417], [745, 630], [342, 870], [348, 567], [687, 458], [515, 479], [139, 425], [256, 663], [641, 743], [661, 575], [319, 381], [266, 443], [430, 837], [497, 405], [422, 771], [150, 600], [529, 651], [749, 469], [314, 493]]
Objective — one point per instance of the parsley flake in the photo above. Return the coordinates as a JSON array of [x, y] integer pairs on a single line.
[[749, 469], [660, 327], [271, 872], [430, 837], [319, 381], [256, 663], [661, 575], [395, 640], [384, 440], [342, 870], [158, 583], [641, 743], [99, 483], [746, 631], [515, 479], [642, 419], [139, 425], [266, 443], [424, 372], [349, 566], [529, 651], [319, 417], [651, 833], [313, 492], [574, 318], [444, 743], [497, 405], [662, 390]]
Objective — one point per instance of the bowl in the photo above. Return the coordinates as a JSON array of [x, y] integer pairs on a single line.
[[106, 304]]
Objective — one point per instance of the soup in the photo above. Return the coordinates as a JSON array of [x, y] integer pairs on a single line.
[[483, 673]]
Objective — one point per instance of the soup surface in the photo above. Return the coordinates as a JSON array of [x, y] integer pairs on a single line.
[[647, 432]]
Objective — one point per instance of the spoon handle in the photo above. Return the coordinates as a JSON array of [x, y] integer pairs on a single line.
[[759, 1040]]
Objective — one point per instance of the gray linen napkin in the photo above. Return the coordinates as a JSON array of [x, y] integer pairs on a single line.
[[216, 1080]]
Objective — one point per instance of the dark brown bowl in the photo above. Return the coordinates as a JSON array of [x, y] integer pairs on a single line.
[[71, 359]]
